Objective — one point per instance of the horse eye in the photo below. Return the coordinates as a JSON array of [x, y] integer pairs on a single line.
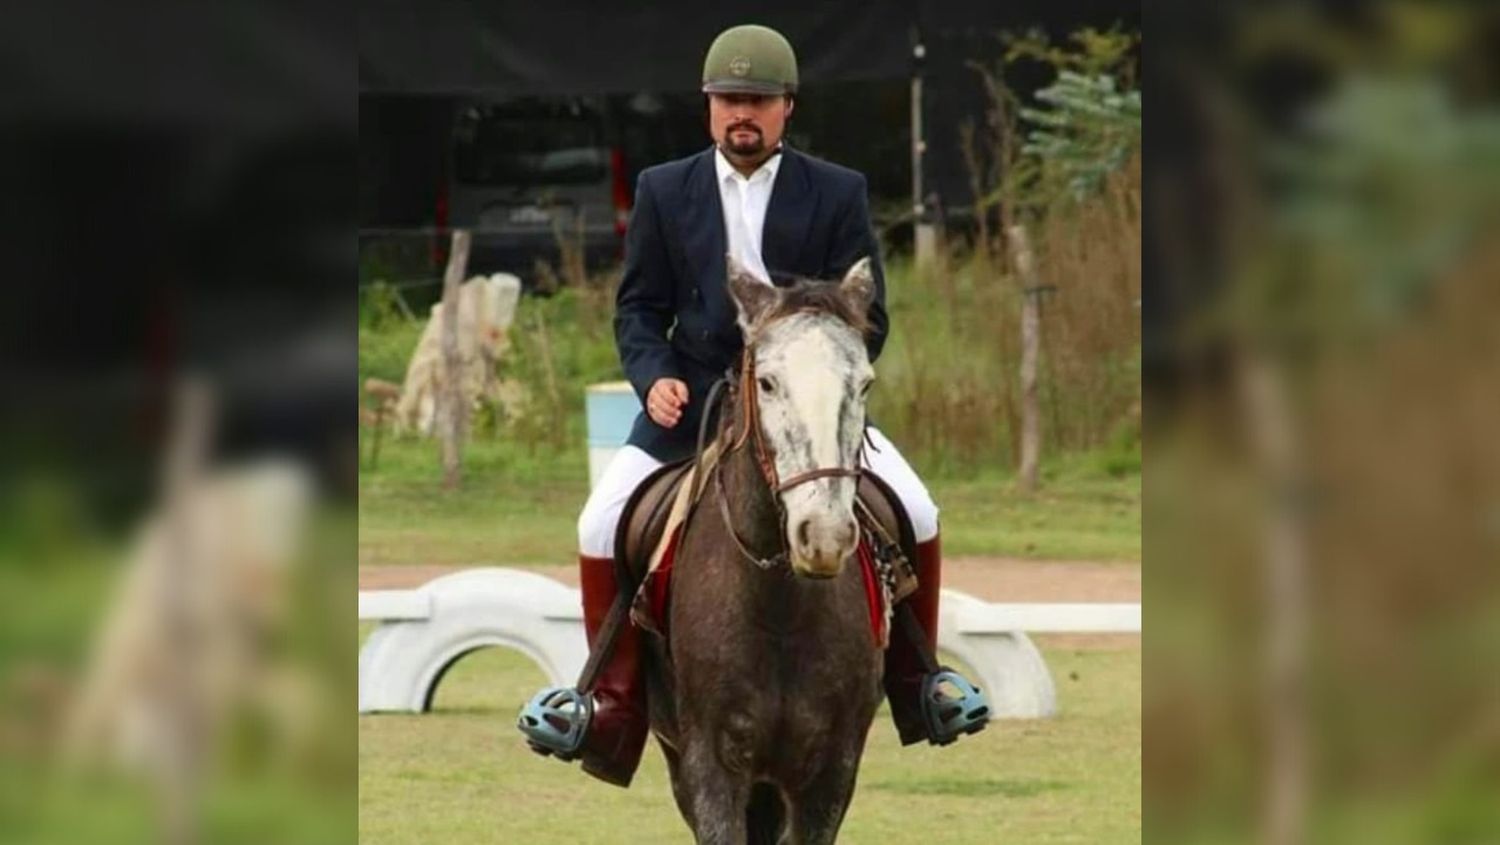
[[767, 385], [865, 391]]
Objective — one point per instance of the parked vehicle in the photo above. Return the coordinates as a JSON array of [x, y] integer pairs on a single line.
[[532, 177]]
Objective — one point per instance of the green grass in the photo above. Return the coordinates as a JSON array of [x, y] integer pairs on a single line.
[[515, 507], [42, 809], [948, 379], [509, 509], [943, 399], [461, 774], [52, 604], [1076, 515]]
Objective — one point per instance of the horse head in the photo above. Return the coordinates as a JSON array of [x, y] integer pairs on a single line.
[[808, 374]]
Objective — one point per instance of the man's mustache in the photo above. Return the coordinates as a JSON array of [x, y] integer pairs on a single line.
[[744, 125]]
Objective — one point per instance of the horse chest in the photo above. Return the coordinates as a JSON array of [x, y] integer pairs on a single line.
[[766, 721], [777, 684]]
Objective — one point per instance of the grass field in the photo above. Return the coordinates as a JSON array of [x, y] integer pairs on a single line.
[[271, 780], [461, 774], [514, 508], [948, 399]]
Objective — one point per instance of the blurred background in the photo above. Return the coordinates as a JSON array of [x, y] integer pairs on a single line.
[[177, 434], [1321, 366]]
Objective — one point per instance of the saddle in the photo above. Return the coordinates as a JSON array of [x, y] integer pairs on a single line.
[[662, 503], [644, 520]]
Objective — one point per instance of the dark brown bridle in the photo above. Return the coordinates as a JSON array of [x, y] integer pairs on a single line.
[[744, 387]]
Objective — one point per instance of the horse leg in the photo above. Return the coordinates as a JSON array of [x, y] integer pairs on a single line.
[[716, 798], [817, 809], [680, 791]]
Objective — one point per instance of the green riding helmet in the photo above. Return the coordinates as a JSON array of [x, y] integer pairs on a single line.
[[750, 59]]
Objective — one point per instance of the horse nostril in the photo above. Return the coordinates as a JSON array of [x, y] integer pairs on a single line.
[[802, 529]]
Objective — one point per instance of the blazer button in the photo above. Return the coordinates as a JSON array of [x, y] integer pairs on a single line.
[[707, 335]]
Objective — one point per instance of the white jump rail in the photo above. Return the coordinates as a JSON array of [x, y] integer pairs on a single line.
[[991, 639], [424, 631], [395, 605]]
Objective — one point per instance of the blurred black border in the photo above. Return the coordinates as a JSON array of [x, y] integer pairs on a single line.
[[181, 200]]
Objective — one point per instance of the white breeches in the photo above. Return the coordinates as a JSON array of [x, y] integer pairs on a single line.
[[601, 514]]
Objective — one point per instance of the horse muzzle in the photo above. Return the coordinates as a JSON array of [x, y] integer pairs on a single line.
[[820, 546]]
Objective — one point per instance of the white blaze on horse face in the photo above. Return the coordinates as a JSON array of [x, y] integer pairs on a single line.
[[812, 370]]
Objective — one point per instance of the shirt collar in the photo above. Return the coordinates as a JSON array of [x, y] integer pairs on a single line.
[[724, 169]]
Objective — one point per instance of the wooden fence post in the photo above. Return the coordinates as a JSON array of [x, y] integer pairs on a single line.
[[386, 395], [452, 408], [177, 759], [1031, 339], [1276, 445]]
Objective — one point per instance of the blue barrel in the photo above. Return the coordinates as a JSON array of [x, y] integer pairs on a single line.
[[612, 408]]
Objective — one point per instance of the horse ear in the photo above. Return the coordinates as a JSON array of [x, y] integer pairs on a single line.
[[858, 286], [752, 296]]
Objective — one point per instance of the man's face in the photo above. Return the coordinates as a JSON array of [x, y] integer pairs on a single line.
[[748, 125]]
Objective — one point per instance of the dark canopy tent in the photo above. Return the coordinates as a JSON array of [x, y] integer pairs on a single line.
[[412, 54], [572, 47], [575, 47]]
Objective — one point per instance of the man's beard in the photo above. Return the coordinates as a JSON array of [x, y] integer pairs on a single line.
[[745, 148]]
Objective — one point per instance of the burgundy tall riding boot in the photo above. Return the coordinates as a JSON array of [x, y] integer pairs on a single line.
[[616, 735], [905, 667]]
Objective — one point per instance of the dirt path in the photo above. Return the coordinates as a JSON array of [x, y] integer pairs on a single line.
[[988, 578]]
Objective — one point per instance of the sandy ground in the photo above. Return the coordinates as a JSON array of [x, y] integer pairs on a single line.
[[988, 578]]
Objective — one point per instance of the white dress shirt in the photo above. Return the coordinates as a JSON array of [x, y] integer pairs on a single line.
[[744, 200]]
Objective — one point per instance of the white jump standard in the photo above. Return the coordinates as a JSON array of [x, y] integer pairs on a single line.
[[423, 632]]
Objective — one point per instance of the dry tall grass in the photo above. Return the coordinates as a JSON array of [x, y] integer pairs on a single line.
[[949, 381], [949, 388]]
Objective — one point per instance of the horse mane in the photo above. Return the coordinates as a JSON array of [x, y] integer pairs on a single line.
[[819, 297]]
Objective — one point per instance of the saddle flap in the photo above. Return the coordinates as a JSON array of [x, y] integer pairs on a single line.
[[660, 501], [885, 506], [645, 515]]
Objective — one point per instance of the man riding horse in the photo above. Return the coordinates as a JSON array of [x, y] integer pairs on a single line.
[[782, 215]]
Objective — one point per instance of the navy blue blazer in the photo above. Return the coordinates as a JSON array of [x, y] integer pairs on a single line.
[[673, 314]]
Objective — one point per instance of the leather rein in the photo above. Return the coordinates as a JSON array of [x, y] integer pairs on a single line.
[[743, 386]]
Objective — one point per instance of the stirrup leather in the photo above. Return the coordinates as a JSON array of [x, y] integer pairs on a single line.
[[949, 715], [555, 721]]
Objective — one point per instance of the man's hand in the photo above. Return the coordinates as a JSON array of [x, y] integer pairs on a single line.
[[666, 400]]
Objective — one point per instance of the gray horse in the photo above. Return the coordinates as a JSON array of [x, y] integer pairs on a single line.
[[763, 704]]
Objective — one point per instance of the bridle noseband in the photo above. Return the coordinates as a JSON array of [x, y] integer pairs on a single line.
[[743, 386]]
